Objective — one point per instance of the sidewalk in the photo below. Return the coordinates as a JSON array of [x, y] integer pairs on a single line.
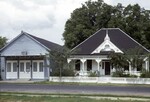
[[20, 81]]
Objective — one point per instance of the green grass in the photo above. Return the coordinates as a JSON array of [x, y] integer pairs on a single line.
[[24, 98], [72, 95]]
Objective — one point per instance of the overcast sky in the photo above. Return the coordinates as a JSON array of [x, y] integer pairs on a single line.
[[43, 18]]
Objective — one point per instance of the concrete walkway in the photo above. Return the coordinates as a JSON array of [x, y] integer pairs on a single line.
[[20, 81]]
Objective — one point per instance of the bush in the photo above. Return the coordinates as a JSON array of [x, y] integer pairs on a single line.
[[122, 74], [93, 74], [117, 74], [64, 72], [145, 74]]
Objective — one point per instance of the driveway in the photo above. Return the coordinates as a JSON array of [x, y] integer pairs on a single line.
[[76, 89]]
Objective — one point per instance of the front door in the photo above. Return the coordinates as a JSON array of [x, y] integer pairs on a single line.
[[25, 70], [107, 68]]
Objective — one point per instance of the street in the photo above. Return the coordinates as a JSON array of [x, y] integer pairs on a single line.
[[76, 89]]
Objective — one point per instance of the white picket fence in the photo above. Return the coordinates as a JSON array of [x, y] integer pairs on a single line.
[[101, 80]]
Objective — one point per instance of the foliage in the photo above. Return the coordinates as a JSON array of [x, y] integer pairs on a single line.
[[133, 56], [119, 61], [122, 74], [65, 72], [59, 57], [94, 15], [145, 74], [3, 41], [93, 74], [59, 98], [117, 74]]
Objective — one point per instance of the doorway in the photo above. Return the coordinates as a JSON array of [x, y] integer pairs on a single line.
[[107, 68]]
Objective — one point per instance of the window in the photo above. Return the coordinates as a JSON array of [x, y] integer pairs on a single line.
[[89, 65], [41, 67], [35, 66], [14, 67], [21, 67], [77, 65], [8, 67], [28, 67]]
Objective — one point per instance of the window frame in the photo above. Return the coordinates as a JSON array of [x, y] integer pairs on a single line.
[[41, 67]]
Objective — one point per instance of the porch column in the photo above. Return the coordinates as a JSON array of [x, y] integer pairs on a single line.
[[98, 61], [18, 65], [31, 71], [68, 60], [130, 68], [146, 65], [83, 69]]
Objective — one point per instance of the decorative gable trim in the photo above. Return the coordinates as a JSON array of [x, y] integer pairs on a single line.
[[107, 45]]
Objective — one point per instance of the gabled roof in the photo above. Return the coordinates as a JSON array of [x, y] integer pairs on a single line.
[[46, 44], [119, 38]]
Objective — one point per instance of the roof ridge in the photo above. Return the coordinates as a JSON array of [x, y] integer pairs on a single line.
[[46, 43]]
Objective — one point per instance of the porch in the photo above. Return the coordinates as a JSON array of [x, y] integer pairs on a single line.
[[26, 67], [100, 64]]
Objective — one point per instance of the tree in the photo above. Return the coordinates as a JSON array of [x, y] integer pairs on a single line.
[[3, 41], [119, 61], [94, 15], [133, 56], [59, 58]]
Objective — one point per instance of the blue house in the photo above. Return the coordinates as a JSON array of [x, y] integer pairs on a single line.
[[26, 57]]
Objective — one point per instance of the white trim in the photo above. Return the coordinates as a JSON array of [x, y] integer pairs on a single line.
[[11, 74], [25, 74], [38, 74], [107, 42]]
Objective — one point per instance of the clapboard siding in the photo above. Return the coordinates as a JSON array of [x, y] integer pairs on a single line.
[[24, 43]]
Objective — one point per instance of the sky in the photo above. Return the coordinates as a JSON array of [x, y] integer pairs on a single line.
[[44, 18]]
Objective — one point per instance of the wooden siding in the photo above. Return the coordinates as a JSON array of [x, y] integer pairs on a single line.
[[24, 44]]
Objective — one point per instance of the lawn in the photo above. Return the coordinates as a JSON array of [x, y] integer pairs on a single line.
[[24, 98]]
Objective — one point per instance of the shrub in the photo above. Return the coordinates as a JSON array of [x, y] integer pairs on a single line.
[[122, 74], [145, 74], [117, 74], [64, 72], [93, 74]]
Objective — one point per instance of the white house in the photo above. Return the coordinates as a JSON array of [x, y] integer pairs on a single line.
[[92, 54], [26, 57]]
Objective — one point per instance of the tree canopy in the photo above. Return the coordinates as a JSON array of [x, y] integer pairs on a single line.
[[94, 15], [3, 41]]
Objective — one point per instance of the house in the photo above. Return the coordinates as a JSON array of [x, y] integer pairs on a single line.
[[92, 53], [26, 57]]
